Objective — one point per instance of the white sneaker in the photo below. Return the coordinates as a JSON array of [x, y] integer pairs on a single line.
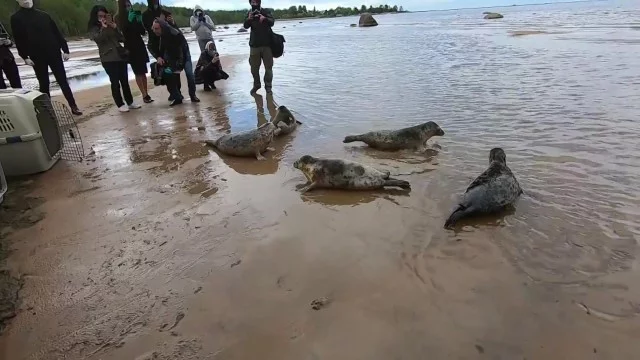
[[134, 106], [124, 108]]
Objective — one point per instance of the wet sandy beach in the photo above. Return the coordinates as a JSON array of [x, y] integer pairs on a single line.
[[157, 247]]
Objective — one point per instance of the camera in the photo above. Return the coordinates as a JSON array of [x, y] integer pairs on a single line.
[[255, 13]]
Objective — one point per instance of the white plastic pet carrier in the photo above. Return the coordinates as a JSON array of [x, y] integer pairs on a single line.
[[35, 132]]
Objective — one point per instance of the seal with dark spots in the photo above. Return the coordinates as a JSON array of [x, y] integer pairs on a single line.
[[247, 143], [414, 137], [492, 191], [287, 123], [344, 174]]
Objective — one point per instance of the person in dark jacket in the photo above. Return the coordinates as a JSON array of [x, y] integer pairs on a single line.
[[208, 69], [171, 57], [154, 11], [104, 31], [8, 62], [130, 23], [260, 21], [39, 43]]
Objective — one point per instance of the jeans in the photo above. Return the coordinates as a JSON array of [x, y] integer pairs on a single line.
[[188, 71], [119, 77], [41, 67], [10, 68], [258, 55]]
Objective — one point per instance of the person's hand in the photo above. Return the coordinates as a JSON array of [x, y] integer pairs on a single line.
[[262, 18], [5, 42], [160, 61], [170, 19], [112, 24], [250, 16], [103, 22], [65, 56], [28, 62]]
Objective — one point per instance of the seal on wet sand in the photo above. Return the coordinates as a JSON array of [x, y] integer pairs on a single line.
[[490, 192], [287, 123], [414, 137], [247, 143], [344, 174]]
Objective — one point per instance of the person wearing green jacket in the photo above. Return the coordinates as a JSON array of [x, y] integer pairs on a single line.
[[113, 56]]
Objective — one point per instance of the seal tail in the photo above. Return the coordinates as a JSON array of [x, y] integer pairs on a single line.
[[457, 214], [352, 138], [399, 183]]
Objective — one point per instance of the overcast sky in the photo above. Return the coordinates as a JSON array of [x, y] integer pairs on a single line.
[[325, 4]]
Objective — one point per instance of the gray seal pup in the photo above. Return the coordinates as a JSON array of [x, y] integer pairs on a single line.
[[287, 123], [414, 137], [344, 174], [492, 191], [247, 143]]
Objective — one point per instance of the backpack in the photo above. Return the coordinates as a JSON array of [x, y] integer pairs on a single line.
[[277, 44]]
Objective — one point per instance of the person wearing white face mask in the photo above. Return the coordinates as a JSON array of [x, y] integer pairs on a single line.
[[40, 43]]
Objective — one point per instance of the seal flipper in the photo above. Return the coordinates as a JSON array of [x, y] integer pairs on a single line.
[[399, 183], [308, 187], [352, 138], [457, 214]]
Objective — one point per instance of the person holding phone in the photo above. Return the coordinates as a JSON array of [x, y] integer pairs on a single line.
[[129, 21], [113, 56]]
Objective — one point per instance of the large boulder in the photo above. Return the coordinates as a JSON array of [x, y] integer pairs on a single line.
[[367, 20], [493, 15]]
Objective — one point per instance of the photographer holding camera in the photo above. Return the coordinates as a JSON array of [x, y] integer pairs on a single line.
[[203, 26], [260, 21]]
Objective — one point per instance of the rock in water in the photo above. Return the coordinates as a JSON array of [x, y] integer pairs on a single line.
[[242, 30], [353, 25], [491, 15], [367, 20]]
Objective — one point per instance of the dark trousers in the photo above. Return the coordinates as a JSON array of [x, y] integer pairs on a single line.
[[41, 67], [173, 86], [119, 77], [9, 67]]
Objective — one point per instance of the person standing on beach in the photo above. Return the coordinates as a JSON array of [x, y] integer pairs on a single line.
[[39, 42], [260, 21], [203, 26], [104, 31], [8, 62], [130, 21], [171, 57]]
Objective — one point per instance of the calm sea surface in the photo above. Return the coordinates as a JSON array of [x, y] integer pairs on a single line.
[[563, 102]]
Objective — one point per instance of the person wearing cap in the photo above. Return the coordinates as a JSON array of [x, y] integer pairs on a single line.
[[260, 21]]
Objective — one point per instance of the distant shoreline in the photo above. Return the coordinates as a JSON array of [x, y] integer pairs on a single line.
[[505, 6]]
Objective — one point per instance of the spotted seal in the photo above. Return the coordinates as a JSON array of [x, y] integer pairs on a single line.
[[414, 137], [287, 123], [344, 174], [490, 192], [247, 143]]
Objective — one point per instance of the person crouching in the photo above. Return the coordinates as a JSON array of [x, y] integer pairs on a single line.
[[209, 69]]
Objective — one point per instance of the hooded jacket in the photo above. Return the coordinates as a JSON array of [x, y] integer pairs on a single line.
[[147, 20], [36, 35], [171, 46], [203, 27]]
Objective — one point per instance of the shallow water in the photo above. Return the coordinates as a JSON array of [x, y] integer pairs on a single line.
[[159, 229]]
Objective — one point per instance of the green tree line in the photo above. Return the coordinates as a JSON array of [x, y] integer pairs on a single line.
[[72, 15]]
